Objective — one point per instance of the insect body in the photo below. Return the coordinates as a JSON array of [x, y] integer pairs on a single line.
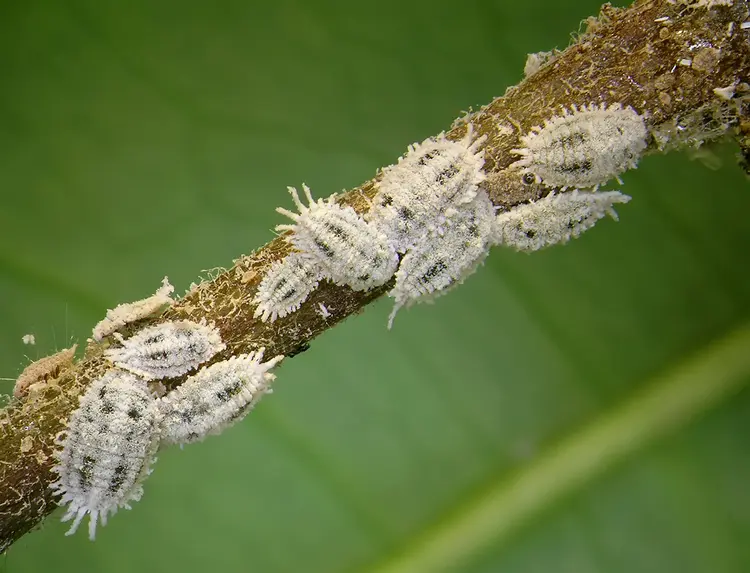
[[111, 440], [556, 218], [167, 350], [215, 398], [286, 285], [342, 244], [445, 260], [583, 147], [415, 193]]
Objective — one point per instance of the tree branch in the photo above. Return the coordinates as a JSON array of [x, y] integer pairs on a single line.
[[682, 65]]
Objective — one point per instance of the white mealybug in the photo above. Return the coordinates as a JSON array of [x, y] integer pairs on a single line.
[[109, 445], [584, 147], [347, 249], [556, 218], [215, 398], [129, 312], [414, 194], [444, 261], [286, 285], [167, 350]]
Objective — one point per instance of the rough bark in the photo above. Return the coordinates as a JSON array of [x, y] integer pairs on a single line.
[[675, 63]]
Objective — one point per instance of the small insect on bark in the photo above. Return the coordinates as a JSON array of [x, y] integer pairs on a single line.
[[130, 312], [215, 398], [584, 147], [340, 242], [109, 445], [414, 194], [286, 285], [445, 260], [554, 219], [43, 369], [167, 350]]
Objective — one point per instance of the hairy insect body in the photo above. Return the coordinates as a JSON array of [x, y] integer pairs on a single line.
[[215, 398], [286, 285], [167, 350], [415, 195], [584, 147], [446, 260], [111, 441], [554, 219], [342, 244]]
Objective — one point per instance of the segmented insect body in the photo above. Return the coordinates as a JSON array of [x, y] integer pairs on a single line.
[[584, 147], [130, 312], [340, 242], [415, 193], [554, 219], [110, 442], [215, 398], [43, 369], [167, 350], [445, 260], [286, 285]]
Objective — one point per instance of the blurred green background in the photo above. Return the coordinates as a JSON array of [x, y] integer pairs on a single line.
[[148, 138]]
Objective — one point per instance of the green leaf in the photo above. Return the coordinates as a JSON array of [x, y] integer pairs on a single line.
[[580, 409]]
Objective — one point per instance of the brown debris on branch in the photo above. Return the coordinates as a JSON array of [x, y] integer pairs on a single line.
[[681, 65]]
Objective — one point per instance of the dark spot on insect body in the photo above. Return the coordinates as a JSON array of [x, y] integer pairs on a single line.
[[117, 479], [289, 294], [386, 201], [530, 233], [134, 414], [363, 278], [86, 471], [102, 392], [227, 393], [337, 231], [433, 272], [581, 167], [154, 339], [406, 214], [157, 356], [426, 158], [528, 178], [327, 251], [447, 174], [107, 408]]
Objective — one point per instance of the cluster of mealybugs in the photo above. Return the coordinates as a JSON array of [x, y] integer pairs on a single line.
[[431, 223], [112, 438]]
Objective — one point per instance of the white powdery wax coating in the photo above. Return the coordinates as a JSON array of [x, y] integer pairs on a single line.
[[215, 398], [111, 441], [285, 286], [130, 312], [414, 194], [554, 219], [445, 260], [584, 147], [342, 244], [167, 350]]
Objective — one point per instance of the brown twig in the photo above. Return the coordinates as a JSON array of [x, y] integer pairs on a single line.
[[684, 67]]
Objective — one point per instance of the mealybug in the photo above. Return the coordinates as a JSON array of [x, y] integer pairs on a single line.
[[414, 194], [286, 285], [584, 147], [167, 350], [347, 249], [42, 369], [445, 260], [556, 218], [129, 312], [215, 398], [110, 442]]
